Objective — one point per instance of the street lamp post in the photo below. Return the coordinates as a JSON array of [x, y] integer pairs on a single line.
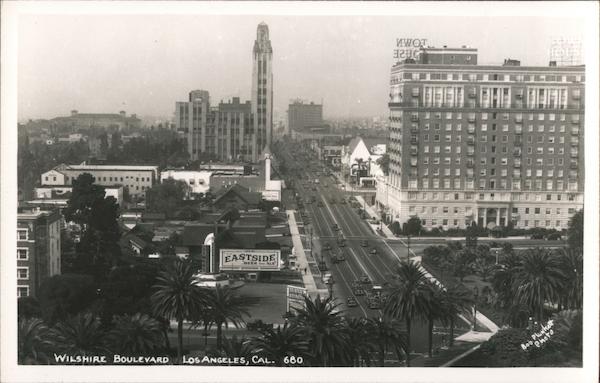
[[475, 295]]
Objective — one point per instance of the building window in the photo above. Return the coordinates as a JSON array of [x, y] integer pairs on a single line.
[[22, 235], [22, 254], [22, 273], [22, 291], [537, 210]]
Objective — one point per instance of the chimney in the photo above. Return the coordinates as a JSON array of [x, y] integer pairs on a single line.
[[552, 63]]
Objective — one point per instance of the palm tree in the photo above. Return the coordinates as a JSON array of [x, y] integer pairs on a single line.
[[81, 334], [572, 265], [539, 278], [359, 337], [454, 300], [177, 297], [33, 342], [409, 298], [386, 332], [280, 342], [225, 307], [325, 331], [138, 334], [237, 348], [504, 279]]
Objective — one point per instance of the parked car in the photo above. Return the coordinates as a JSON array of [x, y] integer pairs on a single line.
[[373, 251], [364, 243], [365, 279]]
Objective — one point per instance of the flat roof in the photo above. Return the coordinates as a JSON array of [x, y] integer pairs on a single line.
[[508, 68], [109, 167]]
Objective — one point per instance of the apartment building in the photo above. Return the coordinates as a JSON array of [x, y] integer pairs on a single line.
[[492, 144], [38, 248]]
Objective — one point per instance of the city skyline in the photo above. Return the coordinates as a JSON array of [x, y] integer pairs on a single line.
[[349, 58]]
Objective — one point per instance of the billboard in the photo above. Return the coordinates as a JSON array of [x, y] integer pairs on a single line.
[[249, 259], [407, 48], [295, 298]]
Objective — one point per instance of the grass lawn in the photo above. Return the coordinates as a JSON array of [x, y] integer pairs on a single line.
[[266, 301]]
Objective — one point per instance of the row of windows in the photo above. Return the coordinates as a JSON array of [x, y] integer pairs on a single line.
[[468, 210], [503, 184], [539, 150], [503, 172], [449, 76], [446, 222], [471, 128], [494, 138], [518, 117], [435, 196]]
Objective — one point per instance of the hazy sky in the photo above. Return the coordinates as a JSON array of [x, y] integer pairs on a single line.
[[143, 64]]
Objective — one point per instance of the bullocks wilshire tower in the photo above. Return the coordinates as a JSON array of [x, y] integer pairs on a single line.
[[262, 90]]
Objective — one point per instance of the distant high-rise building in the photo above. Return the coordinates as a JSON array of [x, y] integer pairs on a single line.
[[233, 131], [497, 145], [301, 115], [262, 87], [566, 51]]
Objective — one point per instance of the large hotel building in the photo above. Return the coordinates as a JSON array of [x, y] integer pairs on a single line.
[[491, 144], [233, 131]]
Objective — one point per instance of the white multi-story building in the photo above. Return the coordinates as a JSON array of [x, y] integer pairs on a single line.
[[497, 145]]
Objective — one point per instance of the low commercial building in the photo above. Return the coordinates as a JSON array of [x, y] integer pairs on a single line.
[[63, 192], [38, 249], [135, 179], [197, 181]]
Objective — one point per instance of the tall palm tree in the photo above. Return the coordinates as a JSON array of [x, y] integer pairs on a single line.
[[361, 341], [280, 342], [325, 331], [138, 334], [504, 279], [226, 307], [410, 297], [177, 297], [33, 342], [454, 300], [81, 334], [386, 332], [539, 278], [435, 311], [572, 265]]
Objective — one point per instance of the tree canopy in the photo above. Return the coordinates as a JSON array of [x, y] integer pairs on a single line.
[[166, 197]]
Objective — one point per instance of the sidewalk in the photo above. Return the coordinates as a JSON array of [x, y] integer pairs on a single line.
[[373, 213], [470, 336], [307, 277]]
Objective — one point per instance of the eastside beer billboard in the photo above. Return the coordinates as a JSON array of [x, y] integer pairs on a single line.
[[249, 260]]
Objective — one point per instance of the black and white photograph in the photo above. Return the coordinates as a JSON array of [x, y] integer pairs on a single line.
[[222, 191]]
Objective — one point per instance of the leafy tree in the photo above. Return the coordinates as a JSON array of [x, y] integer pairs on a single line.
[[226, 307], [462, 265], [483, 267], [280, 342], [384, 163], [575, 231], [98, 249], [32, 339], [137, 334], [409, 298], [64, 295], [503, 349], [325, 332], [539, 278], [166, 197], [176, 296], [411, 228]]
